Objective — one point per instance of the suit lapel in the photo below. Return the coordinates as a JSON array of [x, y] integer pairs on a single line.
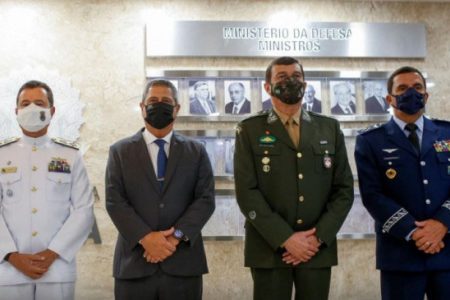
[[430, 135], [175, 153], [307, 130], [396, 136], [277, 129], [144, 157]]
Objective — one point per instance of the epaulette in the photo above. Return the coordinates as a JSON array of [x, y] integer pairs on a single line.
[[67, 143], [9, 141], [320, 115], [444, 122], [262, 113], [369, 128]]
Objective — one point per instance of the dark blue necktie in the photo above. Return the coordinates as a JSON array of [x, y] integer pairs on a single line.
[[413, 137], [161, 161]]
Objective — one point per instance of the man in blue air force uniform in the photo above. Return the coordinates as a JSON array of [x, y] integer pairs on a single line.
[[45, 205], [404, 177]]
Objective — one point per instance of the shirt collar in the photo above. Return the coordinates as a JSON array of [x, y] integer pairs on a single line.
[[284, 118], [239, 105], [150, 138], [42, 140], [402, 124]]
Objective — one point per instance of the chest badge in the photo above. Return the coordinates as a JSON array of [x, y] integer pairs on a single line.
[[59, 165], [267, 139], [442, 146], [391, 173], [327, 161], [9, 170]]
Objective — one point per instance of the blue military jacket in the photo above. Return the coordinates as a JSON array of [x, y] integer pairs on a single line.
[[399, 186]]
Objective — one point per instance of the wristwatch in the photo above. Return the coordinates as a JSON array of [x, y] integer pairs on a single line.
[[179, 235]]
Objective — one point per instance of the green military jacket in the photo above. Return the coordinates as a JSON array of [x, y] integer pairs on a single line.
[[281, 189]]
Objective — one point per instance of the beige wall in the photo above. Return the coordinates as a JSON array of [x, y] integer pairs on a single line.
[[100, 46]]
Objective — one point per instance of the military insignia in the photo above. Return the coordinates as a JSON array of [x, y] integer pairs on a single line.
[[8, 170], [323, 142], [59, 165], [67, 143], [267, 139], [272, 117], [238, 129], [266, 168], [252, 215], [265, 160], [391, 173], [442, 146], [327, 161], [8, 141], [390, 150], [9, 193]]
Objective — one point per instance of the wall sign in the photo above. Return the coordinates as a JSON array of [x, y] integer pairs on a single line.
[[259, 39]]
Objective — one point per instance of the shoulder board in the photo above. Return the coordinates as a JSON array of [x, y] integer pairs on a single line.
[[314, 114], [262, 113], [440, 121], [369, 128], [8, 141], [66, 143]]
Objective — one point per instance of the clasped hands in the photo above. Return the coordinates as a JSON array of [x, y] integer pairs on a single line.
[[301, 247], [33, 265], [159, 245], [429, 235]]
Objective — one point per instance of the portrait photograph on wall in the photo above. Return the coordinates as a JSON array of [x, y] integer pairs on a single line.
[[312, 99], [342, 97], [375, 92], [237, 97], [202, 97], [265, 98]]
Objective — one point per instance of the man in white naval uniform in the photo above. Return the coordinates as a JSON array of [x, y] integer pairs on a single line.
[[45, 205]]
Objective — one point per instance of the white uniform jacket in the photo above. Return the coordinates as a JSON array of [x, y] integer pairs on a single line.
[[45, 203]]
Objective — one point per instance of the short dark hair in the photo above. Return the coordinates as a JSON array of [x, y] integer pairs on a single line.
[[403, 70], [160, 82], [33, 84], [285, 61]]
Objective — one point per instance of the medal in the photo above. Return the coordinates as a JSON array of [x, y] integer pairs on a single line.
[[9, 193], [265, 160], [391, 173], [327, 161], [266, 168]]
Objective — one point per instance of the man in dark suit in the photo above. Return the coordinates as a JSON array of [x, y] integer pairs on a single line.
[[404, 177], [294, 186], [202, 103], [310, 102], [376, 104], [344, 100], [159, 211], [239, 104]]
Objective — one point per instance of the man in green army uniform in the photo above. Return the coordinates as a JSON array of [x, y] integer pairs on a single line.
[[294, 186]]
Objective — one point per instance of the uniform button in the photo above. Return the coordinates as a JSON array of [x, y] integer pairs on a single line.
[[266, 152], [34, 149], [301, 198], [35, 233], [34, 189], [390, 163], [34, 210], [299, 221], [34, 168], [428, 201], [161, 205], [300, 176], [422, 163], [299, 155], [425, 181]]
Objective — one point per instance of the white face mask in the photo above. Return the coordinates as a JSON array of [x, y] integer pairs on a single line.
[[33, 118]]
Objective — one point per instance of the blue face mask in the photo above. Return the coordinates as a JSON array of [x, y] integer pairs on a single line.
[[410, 102]]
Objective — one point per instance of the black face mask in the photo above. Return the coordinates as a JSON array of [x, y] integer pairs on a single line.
[[159, 115], [410, 102], [289, 91]]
